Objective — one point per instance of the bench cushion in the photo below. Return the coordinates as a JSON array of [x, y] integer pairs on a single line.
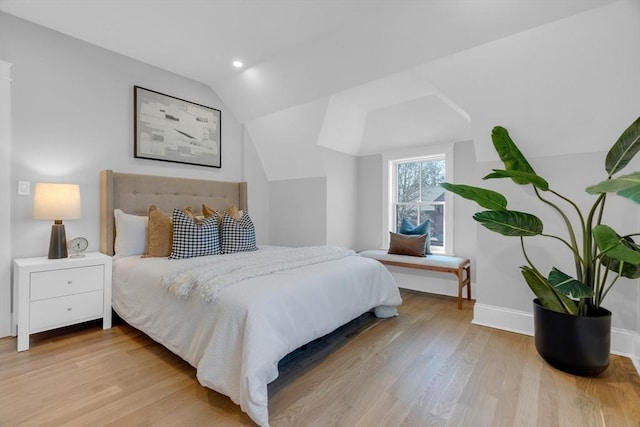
[[442, 261]]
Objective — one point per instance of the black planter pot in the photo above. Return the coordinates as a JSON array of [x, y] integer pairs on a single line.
[[579, 345]]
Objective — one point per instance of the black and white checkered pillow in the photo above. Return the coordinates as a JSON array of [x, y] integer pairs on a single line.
[[237, 236], [191, 239]]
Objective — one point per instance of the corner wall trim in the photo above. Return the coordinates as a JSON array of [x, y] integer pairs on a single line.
[[623, 341], [636, 357]]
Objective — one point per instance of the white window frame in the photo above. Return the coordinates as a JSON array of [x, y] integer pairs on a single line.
[[390, 160]]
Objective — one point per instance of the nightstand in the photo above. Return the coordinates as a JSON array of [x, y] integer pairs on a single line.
[[51, 293]]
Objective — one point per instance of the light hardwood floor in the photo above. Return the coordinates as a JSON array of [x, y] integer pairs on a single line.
[[428, 367]]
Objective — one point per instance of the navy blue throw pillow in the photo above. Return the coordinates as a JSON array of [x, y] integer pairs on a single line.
[[407, 227]]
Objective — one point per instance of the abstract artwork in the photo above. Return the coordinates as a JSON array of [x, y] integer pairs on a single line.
[[174, 130]]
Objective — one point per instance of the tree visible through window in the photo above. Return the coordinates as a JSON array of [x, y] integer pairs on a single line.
[[418, 195]]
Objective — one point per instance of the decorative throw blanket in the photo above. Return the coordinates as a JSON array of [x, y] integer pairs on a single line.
[[207, 276]]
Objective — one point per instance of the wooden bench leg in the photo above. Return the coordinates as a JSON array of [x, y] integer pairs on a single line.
[[468, 270], [462, 282], [460, 286]]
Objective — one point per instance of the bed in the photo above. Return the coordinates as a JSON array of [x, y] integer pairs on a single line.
[[236, 332]]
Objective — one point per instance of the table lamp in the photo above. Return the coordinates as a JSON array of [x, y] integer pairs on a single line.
[[56, 202]]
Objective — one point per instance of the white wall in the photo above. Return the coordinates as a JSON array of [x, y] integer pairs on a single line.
[[342, 198], [562, 88], [298, 212], [287, 141], [72, 116], [317, 210], [295, 145], [258, 190], [464, 238], [369, 222], [5, 194]]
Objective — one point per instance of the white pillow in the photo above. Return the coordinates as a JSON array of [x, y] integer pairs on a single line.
[[131, 234]]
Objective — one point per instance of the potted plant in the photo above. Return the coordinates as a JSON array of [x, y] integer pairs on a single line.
[[572, 329]]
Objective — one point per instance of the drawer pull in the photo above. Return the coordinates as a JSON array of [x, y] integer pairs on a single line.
[[69, 282], [69, 308]]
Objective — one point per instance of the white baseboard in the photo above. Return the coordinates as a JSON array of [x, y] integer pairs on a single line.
[[503, 318], [623, 341]]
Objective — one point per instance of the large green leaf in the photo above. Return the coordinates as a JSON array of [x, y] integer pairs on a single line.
[[629, 271], [488, 199], [568, 285], [631, 193], [612, 245], [510, 223], [625, 148], [525, 177], [626, 186], [509, 153], [549, 298]]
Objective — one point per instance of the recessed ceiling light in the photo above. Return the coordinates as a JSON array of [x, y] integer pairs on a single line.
[[237, 64]]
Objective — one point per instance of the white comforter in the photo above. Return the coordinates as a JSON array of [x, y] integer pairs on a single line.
[[237, 340]]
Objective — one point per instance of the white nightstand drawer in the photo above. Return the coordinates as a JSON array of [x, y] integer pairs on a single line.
[[68, 281], [54, 312]]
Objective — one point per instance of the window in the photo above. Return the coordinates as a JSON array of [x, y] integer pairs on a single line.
[[414, 193]]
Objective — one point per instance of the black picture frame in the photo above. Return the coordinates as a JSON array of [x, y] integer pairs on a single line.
[[175, 130]]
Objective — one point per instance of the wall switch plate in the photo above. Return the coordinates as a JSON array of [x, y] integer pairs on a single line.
[[24, 188]]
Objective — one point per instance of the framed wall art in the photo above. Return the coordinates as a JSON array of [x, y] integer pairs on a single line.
[[174, 130]]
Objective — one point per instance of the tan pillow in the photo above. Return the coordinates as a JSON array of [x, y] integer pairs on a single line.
[[191, 214], [232, 210], [402, 244], [160, 235], [207, 211], [160, 231]]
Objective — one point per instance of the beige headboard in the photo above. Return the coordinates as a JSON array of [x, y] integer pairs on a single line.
[[135, 193]]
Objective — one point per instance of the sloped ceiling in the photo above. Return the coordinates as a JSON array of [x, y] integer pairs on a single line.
[[359, 77]]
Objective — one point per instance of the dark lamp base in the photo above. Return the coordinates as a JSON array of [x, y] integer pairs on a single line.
[[58, 241]]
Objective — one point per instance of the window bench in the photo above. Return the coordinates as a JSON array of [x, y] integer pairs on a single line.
[[461, 267]]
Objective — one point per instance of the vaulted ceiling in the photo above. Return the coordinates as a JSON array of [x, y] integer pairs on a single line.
[[351, 71]]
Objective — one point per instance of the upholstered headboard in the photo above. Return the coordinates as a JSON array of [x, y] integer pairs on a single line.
[[135, 193]]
